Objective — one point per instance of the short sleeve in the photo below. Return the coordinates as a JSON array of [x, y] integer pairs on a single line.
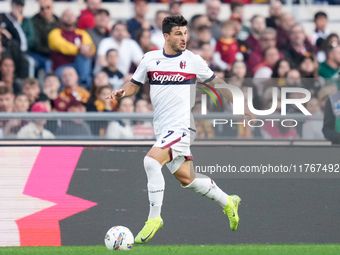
[[136, 51], [203, 72], [141, 74], [103, 47]]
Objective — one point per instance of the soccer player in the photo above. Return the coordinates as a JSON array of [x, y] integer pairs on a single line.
[[169, 72]]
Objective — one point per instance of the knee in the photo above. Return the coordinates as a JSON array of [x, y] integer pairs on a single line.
[[147, 162], [150, 163], [185, 181]]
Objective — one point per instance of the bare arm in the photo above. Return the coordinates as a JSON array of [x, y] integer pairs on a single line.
[[127, 90], [226, 93]]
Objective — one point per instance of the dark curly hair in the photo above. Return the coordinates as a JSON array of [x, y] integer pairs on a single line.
[[173, 21]]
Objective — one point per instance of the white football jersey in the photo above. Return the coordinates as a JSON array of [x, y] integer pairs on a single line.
[[172, 81]]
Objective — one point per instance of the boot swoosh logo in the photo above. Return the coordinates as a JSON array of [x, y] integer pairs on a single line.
[[144, 239]]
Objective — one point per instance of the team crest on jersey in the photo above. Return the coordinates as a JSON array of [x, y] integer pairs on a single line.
[[183, 64], [158, 61]]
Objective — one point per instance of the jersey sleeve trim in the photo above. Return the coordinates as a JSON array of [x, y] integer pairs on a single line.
[[137, 82], [210, 79]]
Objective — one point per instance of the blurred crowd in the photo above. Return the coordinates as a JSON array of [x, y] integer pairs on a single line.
[[71, 63]]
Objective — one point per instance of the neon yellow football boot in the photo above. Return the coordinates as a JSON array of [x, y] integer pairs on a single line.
[[149, 230], [231, 210]]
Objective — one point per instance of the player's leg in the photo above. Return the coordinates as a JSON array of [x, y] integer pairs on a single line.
[[153, 163], [204, 186]]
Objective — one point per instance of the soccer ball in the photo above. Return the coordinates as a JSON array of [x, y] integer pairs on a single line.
[[119, 238]]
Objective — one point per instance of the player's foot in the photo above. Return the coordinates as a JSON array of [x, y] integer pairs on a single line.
[[231, 210], [149, 230]]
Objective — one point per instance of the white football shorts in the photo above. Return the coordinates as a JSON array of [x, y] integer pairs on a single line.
[[178, 140]]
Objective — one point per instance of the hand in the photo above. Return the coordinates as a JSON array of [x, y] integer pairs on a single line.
[[6, 33], [116, 94], [85, 50]]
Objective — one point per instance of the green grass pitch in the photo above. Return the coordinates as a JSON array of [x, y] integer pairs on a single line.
[[283, 249]]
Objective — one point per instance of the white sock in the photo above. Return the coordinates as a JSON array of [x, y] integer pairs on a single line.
[[156, 185], [208, 188]]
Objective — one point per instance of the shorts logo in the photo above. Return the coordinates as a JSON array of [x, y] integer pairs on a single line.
[[183, 64]]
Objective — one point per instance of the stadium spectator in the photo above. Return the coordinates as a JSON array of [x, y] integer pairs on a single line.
[[324, 92], [203, 35], [7, 75], [31, 89], [298, 47], [312, 129], [237, 11], [331, 41], [71, 47], [76, 128], [116, 78], [99, 80], [321, 31], [257, 26], [267, 39], [72, 89], [51, 86], [138, 21], [239, 69], [331, 121], [36, 129], [226, 47], [99, 104], [280, 70], [293, 78], [279, 74], [330, 68], [213, 9], [196, 22], [285, 24], [100, 30], [143, 129], [309, 70], [264, 70], [175, 7], [128, 50], [275, 11], [143, 38], [244, 47], [86, 19], [309, 67], [6, 100], [13, 22], [14, 38], [21, 104], [43, 23], [44, 99], [122, 129], [206, 52], [157, 37]]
